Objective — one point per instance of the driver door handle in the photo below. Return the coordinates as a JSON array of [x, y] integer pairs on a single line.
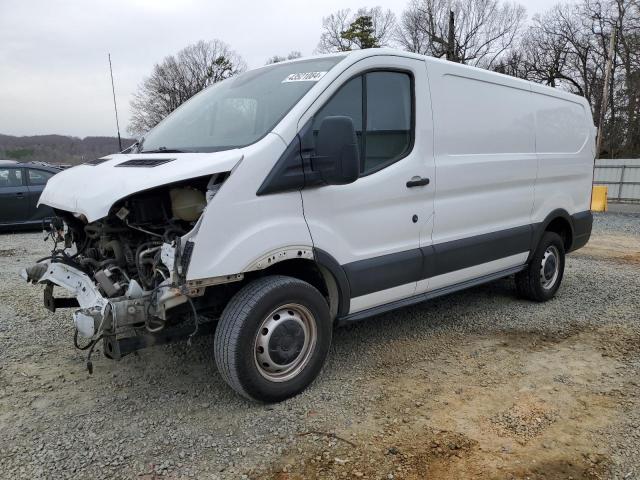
[[417, 182]]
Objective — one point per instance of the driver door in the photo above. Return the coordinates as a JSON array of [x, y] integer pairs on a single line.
[[375, 226]]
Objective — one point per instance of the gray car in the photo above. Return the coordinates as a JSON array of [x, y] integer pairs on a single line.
[[20, 187]]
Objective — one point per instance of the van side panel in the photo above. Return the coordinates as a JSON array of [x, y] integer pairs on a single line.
[[486, 165], [565, 147], [484, 142]]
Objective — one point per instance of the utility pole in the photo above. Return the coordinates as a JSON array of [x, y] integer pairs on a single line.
[[605, 89], [451, 47], [115, 107]]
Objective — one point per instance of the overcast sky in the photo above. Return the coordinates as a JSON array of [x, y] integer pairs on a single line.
[[54, 72]]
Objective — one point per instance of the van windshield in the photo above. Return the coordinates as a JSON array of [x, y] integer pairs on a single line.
[[238, 111]]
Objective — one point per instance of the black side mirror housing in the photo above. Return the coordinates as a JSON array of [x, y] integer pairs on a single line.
[[337, 158]]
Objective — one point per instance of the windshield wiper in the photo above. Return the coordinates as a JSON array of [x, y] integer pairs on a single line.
[[165, 150]]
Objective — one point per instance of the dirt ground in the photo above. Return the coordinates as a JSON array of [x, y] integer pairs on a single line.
[[520, 407], [619, 248], [479, 384], [514, 406]]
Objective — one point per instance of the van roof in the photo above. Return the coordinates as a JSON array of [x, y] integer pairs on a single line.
[[356, 55]]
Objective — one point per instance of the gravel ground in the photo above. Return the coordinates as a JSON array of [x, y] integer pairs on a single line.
[[619, 223], [476, 384]]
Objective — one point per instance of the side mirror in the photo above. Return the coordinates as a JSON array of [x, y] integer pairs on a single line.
[[337, 159]]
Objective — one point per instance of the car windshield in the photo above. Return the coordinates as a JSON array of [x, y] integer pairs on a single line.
[[238, 111]]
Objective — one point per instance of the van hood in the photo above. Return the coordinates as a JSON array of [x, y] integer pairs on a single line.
[[92, 188]]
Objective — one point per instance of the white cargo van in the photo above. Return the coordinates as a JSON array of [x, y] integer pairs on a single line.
[[297, 196]]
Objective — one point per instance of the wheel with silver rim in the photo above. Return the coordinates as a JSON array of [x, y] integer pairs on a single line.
[[285, 342], [542, 277], [549, 267], [273, 338]]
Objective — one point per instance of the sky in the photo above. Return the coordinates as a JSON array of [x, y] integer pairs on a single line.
[[54, 71]]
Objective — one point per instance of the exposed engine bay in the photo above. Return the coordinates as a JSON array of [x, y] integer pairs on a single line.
[[127, 245], [127, 270]]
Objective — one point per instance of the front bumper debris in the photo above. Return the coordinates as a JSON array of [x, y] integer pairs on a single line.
[[98, 314], [125, 323], [93, 306]]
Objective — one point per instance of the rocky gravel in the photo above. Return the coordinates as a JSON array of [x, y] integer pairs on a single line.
[[478, 382], [618, 223]]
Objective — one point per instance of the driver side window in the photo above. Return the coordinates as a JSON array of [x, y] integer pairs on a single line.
[[347, 101], [380, 103]]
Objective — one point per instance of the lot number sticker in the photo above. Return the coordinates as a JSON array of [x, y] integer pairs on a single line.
[[304, 77]]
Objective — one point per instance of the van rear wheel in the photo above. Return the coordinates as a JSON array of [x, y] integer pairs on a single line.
[[542, 277], [272, 338]]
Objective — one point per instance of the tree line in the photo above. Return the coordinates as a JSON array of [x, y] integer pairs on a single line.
[[565, 47], [58, 148]]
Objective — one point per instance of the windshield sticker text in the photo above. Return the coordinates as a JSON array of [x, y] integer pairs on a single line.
[[304, 77]]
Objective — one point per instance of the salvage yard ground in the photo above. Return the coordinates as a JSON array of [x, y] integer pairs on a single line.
[[478, 384]]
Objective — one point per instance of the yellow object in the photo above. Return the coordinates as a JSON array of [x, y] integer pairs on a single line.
[[599, 198]]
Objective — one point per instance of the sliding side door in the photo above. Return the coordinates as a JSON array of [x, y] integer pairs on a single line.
[[486, 166]]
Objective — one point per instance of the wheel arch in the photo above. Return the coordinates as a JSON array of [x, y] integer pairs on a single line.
[[558, 221], [322, 271], [335, 270]]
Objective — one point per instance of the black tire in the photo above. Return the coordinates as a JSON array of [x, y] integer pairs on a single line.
[[237, 337], [538, 282]]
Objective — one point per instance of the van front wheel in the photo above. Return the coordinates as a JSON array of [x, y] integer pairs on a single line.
[[272, 338], [541, 279]]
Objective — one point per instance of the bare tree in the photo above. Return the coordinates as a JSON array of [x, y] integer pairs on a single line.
[[515, 63], [545, 52], [623, 123], [568, 46], [177, 78], [343, 31], [484, 29], [383, 22], [332, 27], [293, 54]]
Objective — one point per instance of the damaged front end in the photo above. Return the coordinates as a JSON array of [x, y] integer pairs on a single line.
[[126, 272]]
